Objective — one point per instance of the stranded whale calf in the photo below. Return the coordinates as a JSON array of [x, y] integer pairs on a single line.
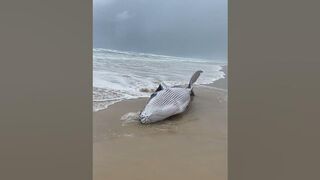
[[167, 101]]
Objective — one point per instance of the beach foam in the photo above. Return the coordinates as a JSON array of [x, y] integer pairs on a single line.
[[120, 75]]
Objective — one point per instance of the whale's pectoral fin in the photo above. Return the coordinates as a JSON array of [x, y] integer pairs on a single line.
[[161, 87]]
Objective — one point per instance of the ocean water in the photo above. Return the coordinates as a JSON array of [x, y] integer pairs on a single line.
[[120, 75]]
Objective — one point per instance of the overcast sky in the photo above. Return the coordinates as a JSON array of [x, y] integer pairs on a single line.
[[187, 28]]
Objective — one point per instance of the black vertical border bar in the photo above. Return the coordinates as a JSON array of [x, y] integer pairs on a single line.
[[46, 87], [274, 85]]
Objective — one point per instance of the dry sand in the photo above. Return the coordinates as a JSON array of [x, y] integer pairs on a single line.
[[192, 145]]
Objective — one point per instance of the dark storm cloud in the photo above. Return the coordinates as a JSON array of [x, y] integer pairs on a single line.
[[188, 28]]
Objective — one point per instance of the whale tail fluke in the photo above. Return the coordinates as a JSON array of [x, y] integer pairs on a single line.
[[194, 78]]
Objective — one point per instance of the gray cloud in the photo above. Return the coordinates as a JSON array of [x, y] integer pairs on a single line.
[[103, 2], [188, 28], [123, 16]]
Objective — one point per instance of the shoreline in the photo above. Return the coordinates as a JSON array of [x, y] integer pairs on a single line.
[[188, 146], [223, 82], [219, 84]]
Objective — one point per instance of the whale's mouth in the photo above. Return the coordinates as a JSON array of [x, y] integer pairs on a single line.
[[144, 119]]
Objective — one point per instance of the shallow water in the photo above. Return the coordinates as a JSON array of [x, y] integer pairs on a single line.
[[119, 75]]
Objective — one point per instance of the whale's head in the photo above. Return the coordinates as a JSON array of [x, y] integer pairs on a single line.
[[156, 109], [152, 113]]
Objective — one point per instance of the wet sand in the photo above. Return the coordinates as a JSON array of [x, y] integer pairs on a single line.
[[222, 83], [189, 146]]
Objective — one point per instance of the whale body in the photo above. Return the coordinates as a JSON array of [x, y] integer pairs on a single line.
[[168, 101]]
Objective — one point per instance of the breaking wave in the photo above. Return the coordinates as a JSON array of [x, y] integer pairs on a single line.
[[120, 75]]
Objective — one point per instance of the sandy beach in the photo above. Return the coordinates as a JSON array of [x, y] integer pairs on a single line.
[[192, 145]]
